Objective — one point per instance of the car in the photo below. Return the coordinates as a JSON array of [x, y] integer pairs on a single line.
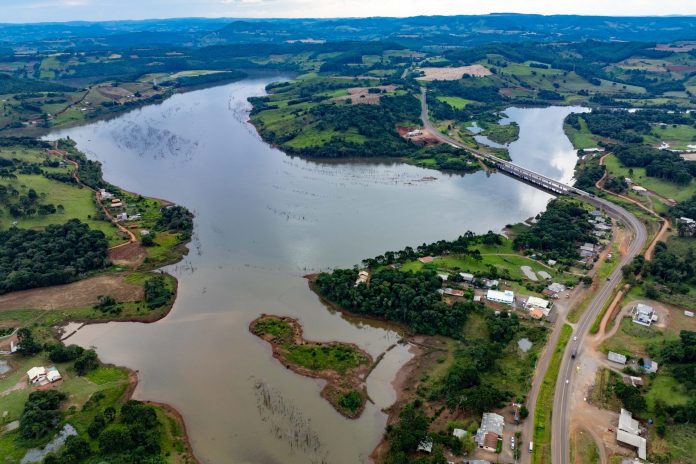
[[567, 381], [575, 339]]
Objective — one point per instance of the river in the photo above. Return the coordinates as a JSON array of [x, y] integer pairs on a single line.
[[263, 220]]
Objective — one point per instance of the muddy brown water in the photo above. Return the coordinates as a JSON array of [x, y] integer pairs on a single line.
[[263, 220]]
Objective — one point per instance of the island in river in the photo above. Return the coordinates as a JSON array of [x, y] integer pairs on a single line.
[[344, 366]]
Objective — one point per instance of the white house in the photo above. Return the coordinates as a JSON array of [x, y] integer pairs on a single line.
[[644, 315], [617, 358], [507, 297], [52, 375], [628, 432], [535, 301], [467, 277], [36, 374]]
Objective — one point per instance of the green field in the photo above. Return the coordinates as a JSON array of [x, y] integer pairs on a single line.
[[679, 136], [455, 102], [661, 187], [582, 138]]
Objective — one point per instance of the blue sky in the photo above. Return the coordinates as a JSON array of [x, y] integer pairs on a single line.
[[66, 10]]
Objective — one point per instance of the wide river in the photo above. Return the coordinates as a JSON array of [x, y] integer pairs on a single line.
[[263, 220]]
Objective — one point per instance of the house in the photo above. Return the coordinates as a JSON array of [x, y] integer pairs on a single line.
[[414, 133], [36, 374], [144, 232], [556, 288], [52, 375], [490, 431], [104, 195], [443, 276], [426, 259], [616, 358], [453, 292], [536, 313], [628, 433], [467, 277], [687, 225], [688, 313], [644, 314], [122, 217], [633, 380], [116, 205], [363, 276], [507, 297], [648, 365], [459, 433], [638, 189], [551, 262], [135, 217], [536, 302], [491, 283]]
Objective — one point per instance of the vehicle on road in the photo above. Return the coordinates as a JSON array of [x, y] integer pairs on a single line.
[[531, 446], [574, 353], [512, 443]]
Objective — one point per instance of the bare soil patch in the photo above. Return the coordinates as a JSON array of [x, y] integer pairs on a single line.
[[130, 255], [425, 138], [339, 383], [75, 295], [362, 95], [453, 74]]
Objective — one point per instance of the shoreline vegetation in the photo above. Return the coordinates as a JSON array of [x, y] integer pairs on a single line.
[[121, 285], [359, 99], [343, 366]]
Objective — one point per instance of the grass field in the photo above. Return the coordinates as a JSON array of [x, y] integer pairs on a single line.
[[678, 136], [661, 187], [582, 138], [77, 202], [455, 102], [544, 405]]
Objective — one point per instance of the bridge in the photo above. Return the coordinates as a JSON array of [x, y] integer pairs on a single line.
[[527, 175], [565, 382]]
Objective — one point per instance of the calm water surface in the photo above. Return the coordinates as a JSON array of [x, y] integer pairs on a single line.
[[263, 220]]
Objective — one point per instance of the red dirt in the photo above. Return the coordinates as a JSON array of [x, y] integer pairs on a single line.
[[131, 254], [425, 139]]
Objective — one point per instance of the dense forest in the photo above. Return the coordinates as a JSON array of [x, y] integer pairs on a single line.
[[410, 298], [558, 231], [663, 164], [628, 126], [55, 255]]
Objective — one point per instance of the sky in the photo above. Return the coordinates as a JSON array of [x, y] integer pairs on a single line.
[[96, 10]]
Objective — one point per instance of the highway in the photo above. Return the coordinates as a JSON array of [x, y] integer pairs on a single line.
[[561, 405]]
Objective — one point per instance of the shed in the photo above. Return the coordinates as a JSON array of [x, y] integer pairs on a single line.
[[617, 358], [507, 297]]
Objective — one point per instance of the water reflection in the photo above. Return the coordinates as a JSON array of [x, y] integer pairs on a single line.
[[262, 221]]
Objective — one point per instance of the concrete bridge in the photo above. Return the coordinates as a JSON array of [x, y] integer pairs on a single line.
[[527, 175]]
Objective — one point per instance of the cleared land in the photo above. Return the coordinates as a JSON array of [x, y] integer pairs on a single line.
[[453, 74]]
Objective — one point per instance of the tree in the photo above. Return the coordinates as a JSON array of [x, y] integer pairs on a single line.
[[41, 414], [524, 412], [27, 345], [86, 362]]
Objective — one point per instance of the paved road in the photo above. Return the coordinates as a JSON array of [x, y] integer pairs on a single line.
[[561, 403], [560, 420]]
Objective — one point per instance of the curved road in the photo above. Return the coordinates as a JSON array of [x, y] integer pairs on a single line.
[[560, 420]]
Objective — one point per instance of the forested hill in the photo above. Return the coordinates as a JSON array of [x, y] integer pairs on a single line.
[[413, 32]]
